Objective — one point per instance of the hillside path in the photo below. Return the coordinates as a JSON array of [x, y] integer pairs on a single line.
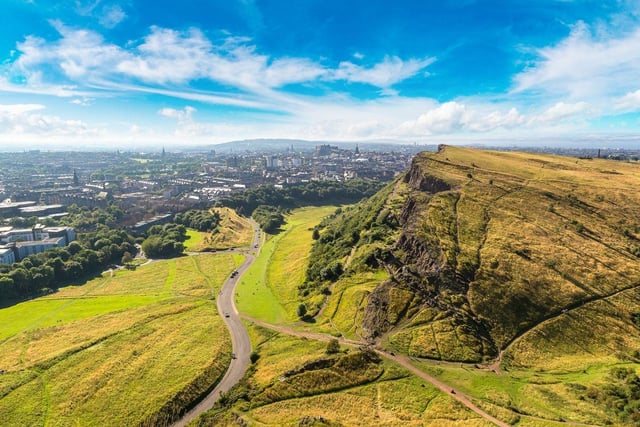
[[240, 341], [400, 360]]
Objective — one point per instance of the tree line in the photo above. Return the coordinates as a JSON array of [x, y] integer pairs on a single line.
[[311, 193], [44, 272]]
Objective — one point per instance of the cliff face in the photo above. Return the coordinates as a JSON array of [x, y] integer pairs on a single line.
[[421, 266], [420, 180], [485, 246]]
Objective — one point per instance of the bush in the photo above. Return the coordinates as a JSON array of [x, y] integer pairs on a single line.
[[333, 346], [302, 311]]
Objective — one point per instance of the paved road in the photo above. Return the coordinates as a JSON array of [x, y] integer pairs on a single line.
[[239, 337]]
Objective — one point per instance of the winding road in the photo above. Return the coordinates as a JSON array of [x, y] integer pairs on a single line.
[[240, 341], [242, 346]]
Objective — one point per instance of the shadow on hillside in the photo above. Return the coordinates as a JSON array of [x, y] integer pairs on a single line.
[[308, 318]]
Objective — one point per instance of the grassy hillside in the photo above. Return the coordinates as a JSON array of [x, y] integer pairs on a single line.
[[128, 348], [489, 251], [233, 231], [294, 382]]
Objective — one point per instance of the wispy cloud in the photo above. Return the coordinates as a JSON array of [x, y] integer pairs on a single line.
[[629, 102], [384, 74], [167, 56], [563, 111], [585, 65], [111, 16]]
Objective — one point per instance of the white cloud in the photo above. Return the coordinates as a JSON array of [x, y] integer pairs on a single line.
[[86, 8], [443, 119], [26, 119], [563, 111], [80, 54], [83, 102], [584, 66], [167, 56], [453, 117], [16, 109], [384, 74], [111, 16], [180, 115], [629, 102]]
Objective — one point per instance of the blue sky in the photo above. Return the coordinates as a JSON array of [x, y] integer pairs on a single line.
[[109, 73]]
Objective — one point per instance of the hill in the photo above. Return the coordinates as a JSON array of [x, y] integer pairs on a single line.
[[521, 256]]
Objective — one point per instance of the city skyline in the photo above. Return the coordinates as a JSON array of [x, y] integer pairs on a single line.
[[104, 73]]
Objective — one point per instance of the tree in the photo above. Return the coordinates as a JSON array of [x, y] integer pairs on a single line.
[[126, 258], [316, 234], [333, 346], [302, 310]]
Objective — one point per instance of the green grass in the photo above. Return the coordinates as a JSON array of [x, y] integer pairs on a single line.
[[269, 289], [283, 387], [195, 240], [526, 394], [132, 348], [345, 306]]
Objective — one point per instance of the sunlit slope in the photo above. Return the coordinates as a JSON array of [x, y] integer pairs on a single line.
[[128, 348], [484, 248]]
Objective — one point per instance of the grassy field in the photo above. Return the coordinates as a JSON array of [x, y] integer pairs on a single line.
[[196, 241], [294, 381], [132, 348], [269, 289]]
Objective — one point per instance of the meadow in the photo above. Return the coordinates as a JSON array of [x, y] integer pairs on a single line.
[[132, 347], [269, 289]]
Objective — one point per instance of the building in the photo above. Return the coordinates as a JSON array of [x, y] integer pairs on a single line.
[[24, 249], [9, 209], [20, 243], [142, 226], [7, 255]]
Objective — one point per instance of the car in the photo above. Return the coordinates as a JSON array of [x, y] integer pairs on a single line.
[[233, 356], [226, 314]]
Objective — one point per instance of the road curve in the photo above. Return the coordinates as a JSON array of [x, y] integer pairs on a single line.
[[240, 341]]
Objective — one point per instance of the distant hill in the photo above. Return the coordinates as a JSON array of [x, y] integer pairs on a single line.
[[525, 256]]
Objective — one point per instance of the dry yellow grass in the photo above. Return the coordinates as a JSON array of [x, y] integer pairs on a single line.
[[234, 231], [118, 349]]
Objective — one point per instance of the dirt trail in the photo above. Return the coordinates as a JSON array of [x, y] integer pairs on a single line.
[[401, 360]]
